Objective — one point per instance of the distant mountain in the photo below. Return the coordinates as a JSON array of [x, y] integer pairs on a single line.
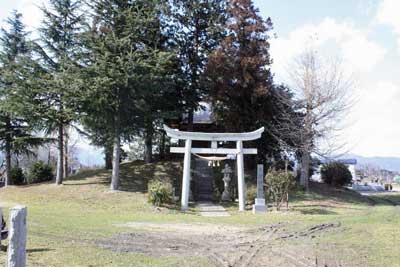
[[387, 163]]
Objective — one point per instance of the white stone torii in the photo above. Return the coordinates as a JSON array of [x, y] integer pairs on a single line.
[[213, 138]]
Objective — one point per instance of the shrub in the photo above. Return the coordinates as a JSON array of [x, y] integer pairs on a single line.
[[159, 192], [40, 172], [279, 184], [216, 195], [17, 176], [336, 173], [251, 194]]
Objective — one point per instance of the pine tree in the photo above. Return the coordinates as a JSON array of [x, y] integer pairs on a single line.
[[199, 28], [55, 97], [13, 48], [125, 75], [158, 89]]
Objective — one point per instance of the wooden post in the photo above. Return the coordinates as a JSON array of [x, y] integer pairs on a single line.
[[17, 237], [186, 176], [240, 174]]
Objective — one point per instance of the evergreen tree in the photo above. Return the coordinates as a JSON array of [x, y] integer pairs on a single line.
[[198, 30], [54, 99], [238, 71], [13, 48], [158, 96], [125, 76]]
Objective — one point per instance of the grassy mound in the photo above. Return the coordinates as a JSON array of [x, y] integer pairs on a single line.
[[134, 175]]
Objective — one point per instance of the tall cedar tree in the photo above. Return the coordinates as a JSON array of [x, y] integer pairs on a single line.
[[14, 131], [125, 63], [158, 98], [199, 28], [238, 70], [53, 100]]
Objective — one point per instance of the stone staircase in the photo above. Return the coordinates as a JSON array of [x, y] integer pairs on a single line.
[[203, 181]]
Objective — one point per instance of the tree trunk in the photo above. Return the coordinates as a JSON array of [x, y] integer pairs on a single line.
[[60, 157], [66, 151], [8, 152], [116, 154], [305, 167], [148, 145], [190, 119], [162, 146], [108, 151], [49, 156]]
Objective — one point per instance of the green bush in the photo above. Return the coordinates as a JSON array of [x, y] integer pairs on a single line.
[[216, 195], [336, 174], [251, 194], [159, 192], [279, 184], [40, 172], [17, 176]]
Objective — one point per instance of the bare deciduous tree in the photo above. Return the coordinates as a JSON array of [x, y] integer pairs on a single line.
[[309, 121]]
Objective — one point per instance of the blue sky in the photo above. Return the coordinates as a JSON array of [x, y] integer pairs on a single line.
[[363, 34]]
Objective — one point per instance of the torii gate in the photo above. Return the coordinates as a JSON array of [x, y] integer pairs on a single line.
[[213, 138]]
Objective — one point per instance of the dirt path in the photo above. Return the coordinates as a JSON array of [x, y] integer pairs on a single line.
[[231, 246]]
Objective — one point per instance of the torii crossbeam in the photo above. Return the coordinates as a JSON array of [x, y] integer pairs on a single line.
[[213, 138]]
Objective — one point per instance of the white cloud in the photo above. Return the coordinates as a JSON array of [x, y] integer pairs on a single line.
[[32, 15], [343, 40], [388, 14], [366, 6], [375, 130], [372, 125]]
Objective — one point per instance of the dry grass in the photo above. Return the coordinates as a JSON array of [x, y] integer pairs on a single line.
[[64, 221]]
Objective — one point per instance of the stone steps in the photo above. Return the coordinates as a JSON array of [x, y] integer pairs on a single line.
[[209, 209], [203, 180]]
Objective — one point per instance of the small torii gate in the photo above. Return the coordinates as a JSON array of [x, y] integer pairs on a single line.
[[214, 138]]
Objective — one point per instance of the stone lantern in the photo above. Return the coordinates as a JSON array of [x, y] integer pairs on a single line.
[[227, 171]]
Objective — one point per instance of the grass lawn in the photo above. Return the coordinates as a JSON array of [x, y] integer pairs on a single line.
[[65, 222]]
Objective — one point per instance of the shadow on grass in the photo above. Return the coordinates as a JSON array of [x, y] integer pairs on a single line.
[[89, 183], [316, 211], [175, 207], [326, 206], [134, 176], [33, 250], [391, 199], [324, 192], [89, 177]]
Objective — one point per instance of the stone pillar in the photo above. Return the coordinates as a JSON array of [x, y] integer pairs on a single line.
[[17, 237], [186, 176], [259, 205], [1, 223], [240, 174]]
